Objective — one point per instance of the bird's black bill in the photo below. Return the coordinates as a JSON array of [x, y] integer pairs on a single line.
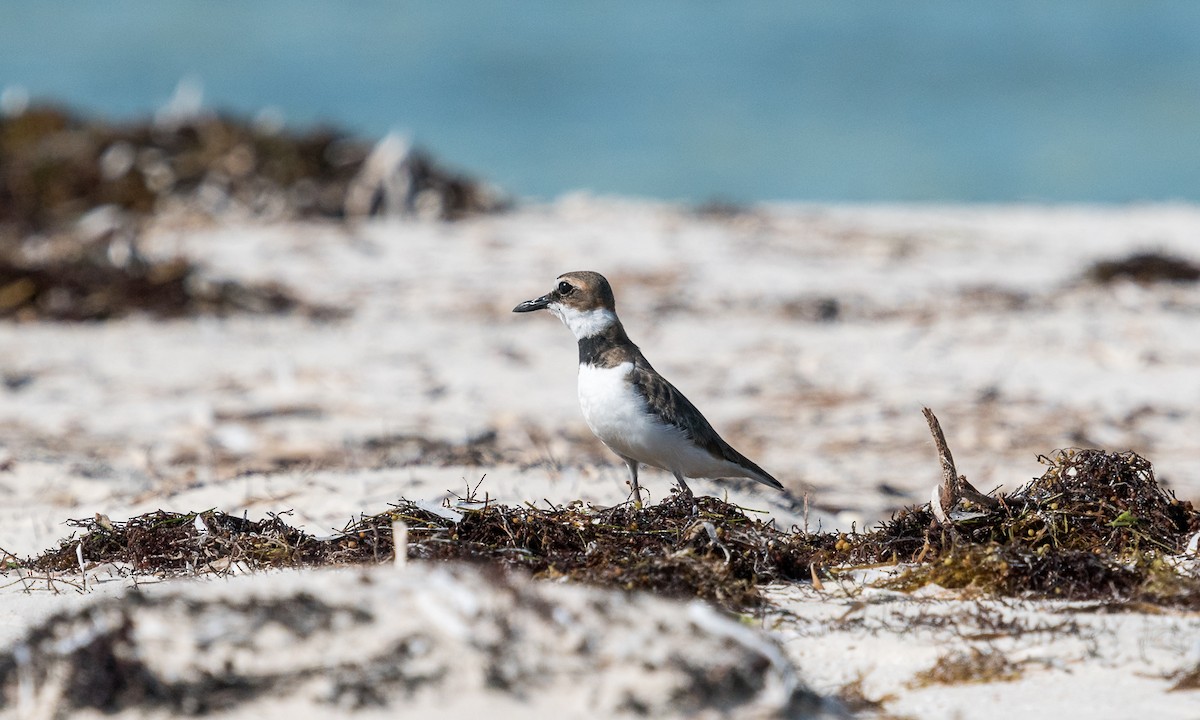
[[531, 305]]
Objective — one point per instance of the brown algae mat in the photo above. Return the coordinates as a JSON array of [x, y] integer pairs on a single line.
[[76, 195], [56, 164], [1095, 526], [89, 286]]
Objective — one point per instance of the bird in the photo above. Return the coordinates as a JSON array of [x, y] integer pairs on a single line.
[[627, 404]]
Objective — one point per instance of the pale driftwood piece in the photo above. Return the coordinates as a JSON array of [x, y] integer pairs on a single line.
[[954, 487], [945, 495], [816, 581]]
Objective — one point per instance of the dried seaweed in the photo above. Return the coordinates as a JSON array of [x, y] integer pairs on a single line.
[[76, 193], [56, 165], [402, 450], [1144, 268], [716, 554], [1094, 526], [90, 285], [1088, 500], [1186, 680], [973, 666]]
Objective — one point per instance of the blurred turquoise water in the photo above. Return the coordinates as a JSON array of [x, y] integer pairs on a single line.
[[899, 101]]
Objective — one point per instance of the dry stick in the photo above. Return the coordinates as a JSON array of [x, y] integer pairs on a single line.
[[946, 495], [400, 543], [806, 512], [816, 581], [954, 486], [82, 567], [9, 557]]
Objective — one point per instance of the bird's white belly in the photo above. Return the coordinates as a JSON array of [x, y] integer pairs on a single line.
[[618, 415]]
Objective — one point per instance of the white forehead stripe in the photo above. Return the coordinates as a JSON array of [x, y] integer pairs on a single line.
[[584, 323]]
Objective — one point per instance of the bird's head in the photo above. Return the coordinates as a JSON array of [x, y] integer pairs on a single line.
[[583, 300]]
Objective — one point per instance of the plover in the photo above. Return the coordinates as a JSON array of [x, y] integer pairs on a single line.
[[634, 411]]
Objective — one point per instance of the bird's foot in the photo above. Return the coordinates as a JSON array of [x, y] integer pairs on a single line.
[[685, 494], [636, 493]]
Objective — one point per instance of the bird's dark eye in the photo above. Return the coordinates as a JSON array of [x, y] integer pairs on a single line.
[[565, 288]]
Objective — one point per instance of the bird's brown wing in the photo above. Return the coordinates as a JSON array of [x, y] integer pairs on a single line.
[[665, 400]]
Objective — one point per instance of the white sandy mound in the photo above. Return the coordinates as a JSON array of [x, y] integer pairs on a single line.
[[429, 641]]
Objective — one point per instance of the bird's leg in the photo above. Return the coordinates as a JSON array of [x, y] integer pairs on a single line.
[[633, 482], [687, 492]]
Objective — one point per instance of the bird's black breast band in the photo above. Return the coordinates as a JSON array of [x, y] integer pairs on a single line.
[[591, 348]]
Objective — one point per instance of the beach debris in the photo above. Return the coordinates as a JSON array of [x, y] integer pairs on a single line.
[[816, 308], [1095, 526], [954, 488], [404, 449], [664, 548], [719, 208], [55, 166], [185, 106], [854, 698], [76, 194], [65, 279], [398, 180], [1188, 679], [1145, 268], [384, 184], [970, 666]]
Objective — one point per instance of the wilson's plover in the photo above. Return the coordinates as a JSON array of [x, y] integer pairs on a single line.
[[632, 409]]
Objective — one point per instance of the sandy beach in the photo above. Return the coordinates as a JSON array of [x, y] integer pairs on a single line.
[[810, 335]]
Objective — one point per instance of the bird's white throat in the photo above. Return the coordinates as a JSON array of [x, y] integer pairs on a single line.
[[584, 323]]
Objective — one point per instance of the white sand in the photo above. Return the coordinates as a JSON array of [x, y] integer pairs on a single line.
[[978, 313], [437, 642]]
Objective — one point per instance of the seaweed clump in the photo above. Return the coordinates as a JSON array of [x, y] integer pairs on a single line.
[[1088, 500], [1145, 268], [720, 553], [76, 194], [972, 666], [56, 165], [1094, 526], [91, 283]]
